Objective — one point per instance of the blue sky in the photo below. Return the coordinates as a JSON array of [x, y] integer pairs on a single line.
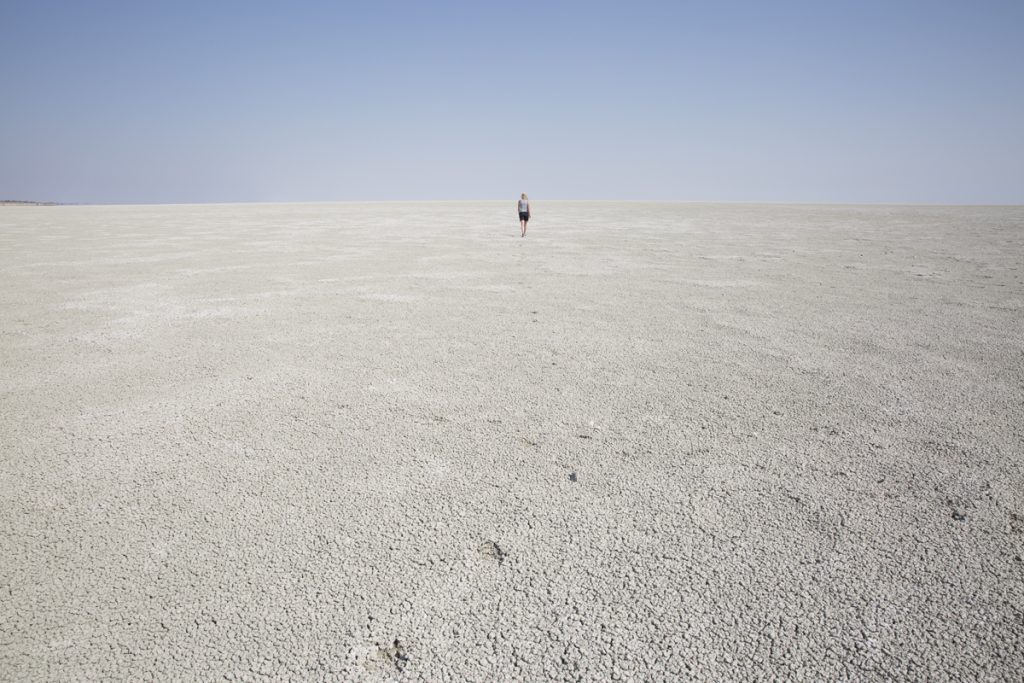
[[137, 102]]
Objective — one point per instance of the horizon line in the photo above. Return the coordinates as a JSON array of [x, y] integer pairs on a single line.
[[52, 204]]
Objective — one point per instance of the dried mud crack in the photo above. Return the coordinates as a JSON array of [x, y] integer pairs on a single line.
[[388, 441]]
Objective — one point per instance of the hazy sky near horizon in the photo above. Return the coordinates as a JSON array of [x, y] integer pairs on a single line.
[[139, 102]]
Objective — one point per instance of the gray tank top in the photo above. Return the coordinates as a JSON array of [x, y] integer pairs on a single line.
[[524, 205]]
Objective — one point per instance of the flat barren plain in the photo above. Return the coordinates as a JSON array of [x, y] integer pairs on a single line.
[[649, 442]]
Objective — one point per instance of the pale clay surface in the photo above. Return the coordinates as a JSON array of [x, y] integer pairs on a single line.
[[397, 441]]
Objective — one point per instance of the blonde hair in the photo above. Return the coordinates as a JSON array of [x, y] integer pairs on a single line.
[[524, 196]]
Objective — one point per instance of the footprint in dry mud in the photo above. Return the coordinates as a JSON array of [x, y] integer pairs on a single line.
[[957, 511], [492, 550], [394, 654]]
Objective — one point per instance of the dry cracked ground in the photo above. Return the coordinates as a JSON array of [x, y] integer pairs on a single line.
[[398, 441]]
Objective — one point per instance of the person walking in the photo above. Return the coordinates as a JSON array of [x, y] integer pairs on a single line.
[[524, 212]]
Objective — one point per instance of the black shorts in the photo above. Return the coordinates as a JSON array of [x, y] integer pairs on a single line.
[[524, 216]]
